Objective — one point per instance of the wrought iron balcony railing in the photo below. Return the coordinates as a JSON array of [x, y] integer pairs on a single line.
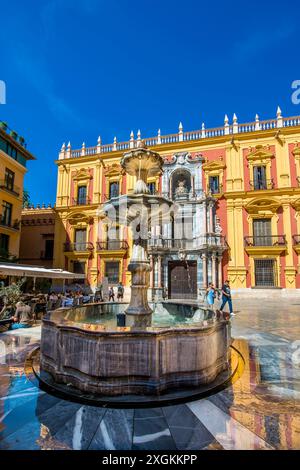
[[296, 239], [81, 201], [216, 190], [78, 246], [265, 240], [187, 244], [15, 225], [112, 245], [12, 188], [261, 185]]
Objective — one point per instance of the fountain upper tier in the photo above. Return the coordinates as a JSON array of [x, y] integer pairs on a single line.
[[142, 163]]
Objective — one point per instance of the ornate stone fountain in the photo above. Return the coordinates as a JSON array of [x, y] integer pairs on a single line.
[[142, 357], [138, 210]]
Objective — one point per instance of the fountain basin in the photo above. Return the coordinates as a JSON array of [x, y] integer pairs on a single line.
[[104, 359]]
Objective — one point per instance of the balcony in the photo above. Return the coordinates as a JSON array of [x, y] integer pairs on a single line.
[[215, 189], [78, 247], [112, 245], [193, 244], [15, 225], [12, 189], [82, 201], [296, 243], [262, 185], [265, 244]]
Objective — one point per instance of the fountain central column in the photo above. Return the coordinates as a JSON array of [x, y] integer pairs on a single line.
[[139, 312], [141, 163]]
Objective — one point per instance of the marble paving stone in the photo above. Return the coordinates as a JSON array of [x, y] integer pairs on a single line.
[[229, 432], [187, 431], [151, 431], [33, 434], [25, 438], [56, 416], [114, 431], [260, 410], [17, 417], [78, 432]]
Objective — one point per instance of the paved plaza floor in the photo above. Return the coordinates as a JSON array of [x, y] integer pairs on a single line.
[[261, 410]]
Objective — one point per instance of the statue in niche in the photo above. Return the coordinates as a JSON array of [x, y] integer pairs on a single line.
[[181, 189], [218, 228]]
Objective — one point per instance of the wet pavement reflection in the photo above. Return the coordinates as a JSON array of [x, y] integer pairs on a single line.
[[261, 410]]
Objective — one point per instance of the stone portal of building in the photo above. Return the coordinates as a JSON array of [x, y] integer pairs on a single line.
[[182, 279]]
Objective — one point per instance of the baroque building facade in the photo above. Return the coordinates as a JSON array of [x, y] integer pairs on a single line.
[[236, 199], [13, 161]]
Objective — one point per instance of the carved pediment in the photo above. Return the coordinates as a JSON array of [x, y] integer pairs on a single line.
[[113, 170], [79, 218], [82, 174], [214, 165], [262, 204], [180, 158], [296, 151], [260, 153], [296, 204]]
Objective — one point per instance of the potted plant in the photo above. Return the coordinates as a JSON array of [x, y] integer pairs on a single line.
[[21, 140], [10, 295], [13, 134], [3, 125]]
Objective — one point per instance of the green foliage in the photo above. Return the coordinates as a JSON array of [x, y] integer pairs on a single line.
[[11, 295], [26, 199]]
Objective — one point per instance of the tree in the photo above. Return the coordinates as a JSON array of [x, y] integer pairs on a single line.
[[11, 295], [26, 199]]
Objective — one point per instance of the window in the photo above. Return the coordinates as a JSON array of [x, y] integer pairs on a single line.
[[4, 244], [80, 240], [152, 188], [113, 238], [49, 245], [262, 232], [6, 213], [81, 195], [9, 179], [79, 268], [113, 189], [112, 269], [265, 273], [11, 151], [214, 185], [259, 177]]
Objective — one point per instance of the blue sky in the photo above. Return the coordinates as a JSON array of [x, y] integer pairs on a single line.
[[76, 69]]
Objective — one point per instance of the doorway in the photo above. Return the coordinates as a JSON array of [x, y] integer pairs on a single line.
[[182, 279]]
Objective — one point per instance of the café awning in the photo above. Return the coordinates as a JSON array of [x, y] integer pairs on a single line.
[[21, 270]]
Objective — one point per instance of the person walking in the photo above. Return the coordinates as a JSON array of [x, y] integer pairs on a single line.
[[120, 292], [210, 295], [111, 294], [226, 297]]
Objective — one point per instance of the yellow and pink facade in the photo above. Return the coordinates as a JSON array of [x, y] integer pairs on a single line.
[[246, 176]]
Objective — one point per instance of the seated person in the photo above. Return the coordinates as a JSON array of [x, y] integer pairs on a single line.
[[23, 316], [67, 301]]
